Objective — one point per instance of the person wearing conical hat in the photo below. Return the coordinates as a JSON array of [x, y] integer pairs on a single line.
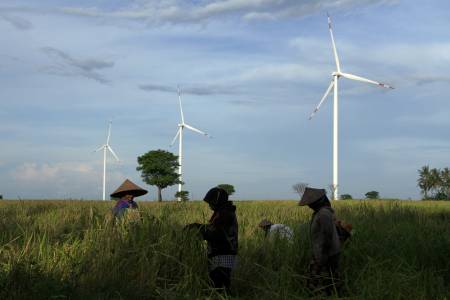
[[126, 193], [325, 241]]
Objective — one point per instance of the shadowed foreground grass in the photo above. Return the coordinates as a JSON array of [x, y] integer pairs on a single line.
[[72, 249]]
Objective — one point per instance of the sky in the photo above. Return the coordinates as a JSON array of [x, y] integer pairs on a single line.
[[251, 71]]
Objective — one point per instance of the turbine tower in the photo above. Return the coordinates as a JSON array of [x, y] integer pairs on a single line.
[[106, 147], [179, 134], [334, 85]]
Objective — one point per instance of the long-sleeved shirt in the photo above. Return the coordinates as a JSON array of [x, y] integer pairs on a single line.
[[324, 237], [122, 205], [221, 232]]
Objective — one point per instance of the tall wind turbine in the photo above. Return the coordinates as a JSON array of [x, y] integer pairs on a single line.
[[334, 85], [179, 135], [106, 147]]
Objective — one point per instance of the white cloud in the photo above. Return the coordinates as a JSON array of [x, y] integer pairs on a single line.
[[157, 12], [287, 71], [45, 173], [61, 180]]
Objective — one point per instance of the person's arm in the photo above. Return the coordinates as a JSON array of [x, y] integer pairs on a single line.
[[215, 230]]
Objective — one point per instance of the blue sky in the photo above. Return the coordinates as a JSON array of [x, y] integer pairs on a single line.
[[252, 72]]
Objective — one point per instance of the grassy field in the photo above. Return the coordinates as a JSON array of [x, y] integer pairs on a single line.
[[71, 249]]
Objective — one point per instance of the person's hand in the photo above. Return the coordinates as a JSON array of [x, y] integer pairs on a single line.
[[192, 226]]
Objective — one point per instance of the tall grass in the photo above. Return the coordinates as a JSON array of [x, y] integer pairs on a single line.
[[74, 249]]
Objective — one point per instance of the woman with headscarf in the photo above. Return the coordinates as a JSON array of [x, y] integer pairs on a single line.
[[221, 233], [326, 246]]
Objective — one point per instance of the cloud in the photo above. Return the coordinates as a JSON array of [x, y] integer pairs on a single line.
[[60, 180], [18, 22], [178, 11], [198, 90], [284, 72], [66, 65], [45, 173], [438, 118], [421, 80]]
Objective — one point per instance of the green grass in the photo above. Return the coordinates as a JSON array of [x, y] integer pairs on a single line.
[[71, 249]]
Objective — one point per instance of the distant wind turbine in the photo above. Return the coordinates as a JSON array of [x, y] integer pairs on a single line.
[[334, 84], [179, 135], [106, 147]]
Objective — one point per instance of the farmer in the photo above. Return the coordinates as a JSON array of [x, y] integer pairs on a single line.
[[325, 241], [126, 193], [276, 230], [221, 233]]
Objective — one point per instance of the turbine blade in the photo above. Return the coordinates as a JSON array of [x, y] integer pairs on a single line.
[[181, 108], [176, 136], [112, 152], [109, 133], [195, 129], [321, 100], [100, 148], [359, 78], [336, 58]]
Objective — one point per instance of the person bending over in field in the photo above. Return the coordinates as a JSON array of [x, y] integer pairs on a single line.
[[276, 230], [326, 245], [221, 233], [126, 193]]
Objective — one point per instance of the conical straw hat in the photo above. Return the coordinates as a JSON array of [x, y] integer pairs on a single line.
[[128, 188], [311, 195]]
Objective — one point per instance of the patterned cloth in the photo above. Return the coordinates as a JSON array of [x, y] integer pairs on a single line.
[[122, 205], [224, 261]]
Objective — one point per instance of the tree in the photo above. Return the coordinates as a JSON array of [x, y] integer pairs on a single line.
[[227, 187], [435, 180], [372, 195], [346, 197], [159, 168], [445, 182], [425, 182], [300, 188], [183, 195]]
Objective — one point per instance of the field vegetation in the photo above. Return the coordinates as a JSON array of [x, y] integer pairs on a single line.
[[73, 250]]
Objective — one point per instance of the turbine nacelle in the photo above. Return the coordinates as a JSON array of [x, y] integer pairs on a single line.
[[337, 74]]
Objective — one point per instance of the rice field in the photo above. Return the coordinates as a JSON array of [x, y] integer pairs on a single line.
[[74, 250]]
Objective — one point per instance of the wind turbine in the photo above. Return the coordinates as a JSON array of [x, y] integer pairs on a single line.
[[179, 135], [334, 85], [106, 147]]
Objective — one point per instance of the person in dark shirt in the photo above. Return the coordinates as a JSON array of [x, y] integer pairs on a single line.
[[326, 245], [221, 234]]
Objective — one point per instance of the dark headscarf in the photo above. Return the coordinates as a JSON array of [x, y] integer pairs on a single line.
[[216, 198]]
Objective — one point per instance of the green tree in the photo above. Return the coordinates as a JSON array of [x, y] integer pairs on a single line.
[[346, 197], [227, 187], [435, 180], [183, 195], [425, 181], [159, 168], [445, 182], [372, 195]]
